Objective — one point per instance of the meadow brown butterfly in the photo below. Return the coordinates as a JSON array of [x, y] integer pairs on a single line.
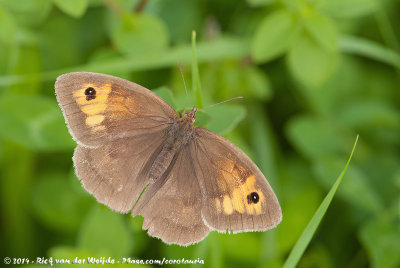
[[128, 138]]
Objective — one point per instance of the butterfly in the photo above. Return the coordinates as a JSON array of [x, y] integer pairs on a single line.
[[194, 181]]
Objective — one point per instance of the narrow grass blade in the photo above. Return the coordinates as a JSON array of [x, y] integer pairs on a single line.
[[195, 74], [369, 49], [223, 48], [308, 233]]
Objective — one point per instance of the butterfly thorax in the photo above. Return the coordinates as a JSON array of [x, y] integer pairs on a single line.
[[178, 135]]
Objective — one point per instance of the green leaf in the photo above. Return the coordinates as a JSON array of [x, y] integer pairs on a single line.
[[295, 5], [166, 94], [27, 61], [141, 238], [102, 56], [105, 232], [322, 29], [135, 34], [257, 83], [28, 12], [57, 205], [314, 138], [233, 249], [318, 255], [202, 119], [5, 59], [8, 27], [357, 190], [310, 63], [369, 114], [305, 199], [35, 122], [231, 78], [74, 8], [312, 226], [63, 33], [273, 36], [397, 178], [190, 12], [225, 117], [18, 173], [348, 8], [259, 3], [381, 237]]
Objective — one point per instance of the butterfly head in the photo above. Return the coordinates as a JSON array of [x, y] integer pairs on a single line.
[[191, 116], [188, 117]]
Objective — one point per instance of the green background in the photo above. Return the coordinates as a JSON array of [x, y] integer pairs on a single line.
[[313, 74]]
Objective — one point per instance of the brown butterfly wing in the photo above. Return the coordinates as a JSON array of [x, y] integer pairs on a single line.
[[171, 207], [232, 183], [99, 108], [117, 172]]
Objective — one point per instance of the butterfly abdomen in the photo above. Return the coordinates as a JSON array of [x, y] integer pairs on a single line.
[[162, 161], [178, 135]]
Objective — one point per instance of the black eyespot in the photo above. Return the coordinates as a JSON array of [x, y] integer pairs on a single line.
[[253, 198], [90, 93]]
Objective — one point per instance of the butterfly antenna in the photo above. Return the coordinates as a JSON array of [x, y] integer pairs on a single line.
[[184, 83], [234, 98]]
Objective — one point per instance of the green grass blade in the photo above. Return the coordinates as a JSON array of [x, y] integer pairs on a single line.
[[309, 231], [385, 27], [195, 74], [369, 49], [223, 48]]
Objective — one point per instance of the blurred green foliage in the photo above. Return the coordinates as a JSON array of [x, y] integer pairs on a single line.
[[313, 73]]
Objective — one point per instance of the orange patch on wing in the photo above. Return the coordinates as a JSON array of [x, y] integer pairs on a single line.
[[240, 197], [246, 189], [227, 205], [117, 104], [99, 128], [96, 105], [94, 120], [237, 201], [116, 110], [120, 106], [237, 183]]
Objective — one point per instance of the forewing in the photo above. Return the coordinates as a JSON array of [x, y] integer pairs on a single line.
[[171, 207], [229, 179], [117, 172], [116, 108]]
